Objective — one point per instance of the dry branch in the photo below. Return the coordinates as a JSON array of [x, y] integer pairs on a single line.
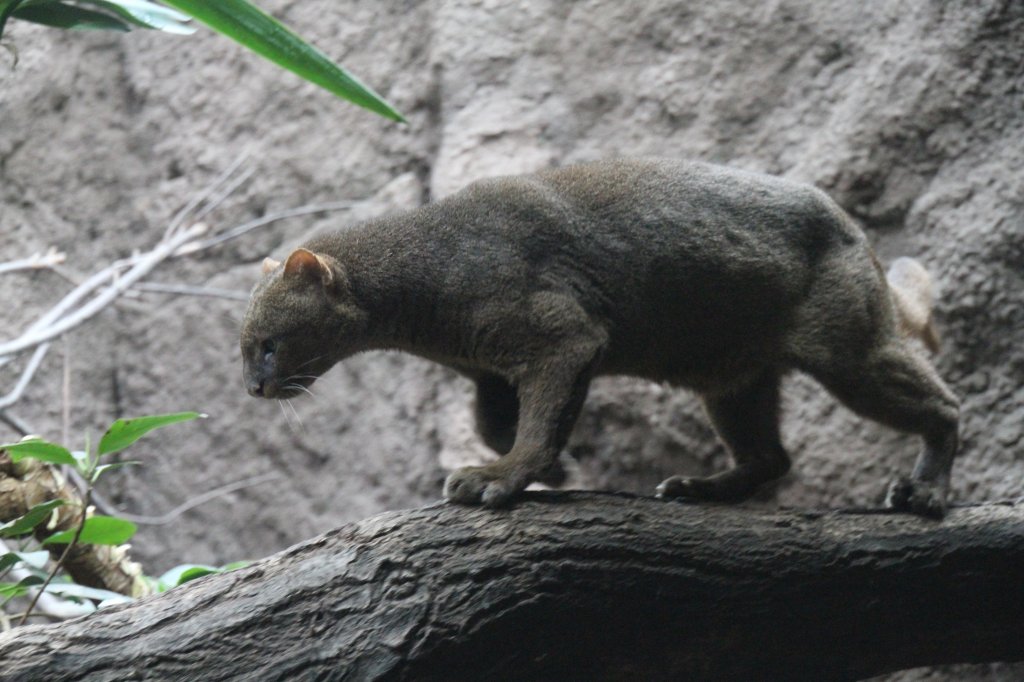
[[575, 586], [37, 261], [121, 275]]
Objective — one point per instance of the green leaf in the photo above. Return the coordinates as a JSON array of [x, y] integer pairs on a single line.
[[35, 560], [82, 592], [197, 572], [7, 8], [60, 15], [115, 465], [177, 575], [29, 520], [234, 565], [9, 591], [264, 35], [20, 588], [98, 530], [124, 432], [39, 449], [8, 560], [146, 14]]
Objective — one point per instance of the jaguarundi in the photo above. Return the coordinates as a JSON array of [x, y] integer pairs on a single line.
[[709, 278]]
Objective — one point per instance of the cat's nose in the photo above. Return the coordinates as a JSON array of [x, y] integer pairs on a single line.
[[256, 388]]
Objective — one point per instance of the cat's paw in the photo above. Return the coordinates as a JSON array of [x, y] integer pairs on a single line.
[[480, 485], [917, 497], [710, 489], [554, 476], [679, 486]]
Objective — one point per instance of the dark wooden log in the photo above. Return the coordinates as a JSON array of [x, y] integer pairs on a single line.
[[575, 586]]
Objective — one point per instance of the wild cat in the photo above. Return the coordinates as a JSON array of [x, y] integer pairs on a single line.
[[708, 278]]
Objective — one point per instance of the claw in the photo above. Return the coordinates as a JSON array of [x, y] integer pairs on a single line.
[[917, 497], [676, 486], [480, 485]]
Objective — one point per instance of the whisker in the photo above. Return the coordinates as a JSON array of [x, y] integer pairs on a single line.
[[296, 413], [298, 387], [306, 390], [309, 361], [287, 419]]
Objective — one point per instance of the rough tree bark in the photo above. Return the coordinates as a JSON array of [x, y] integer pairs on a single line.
[[575, 586]]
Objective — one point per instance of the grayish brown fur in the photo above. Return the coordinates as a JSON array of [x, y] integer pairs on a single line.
[[705, 277]]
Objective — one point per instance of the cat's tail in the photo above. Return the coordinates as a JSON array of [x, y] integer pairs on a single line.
[[913, 295]]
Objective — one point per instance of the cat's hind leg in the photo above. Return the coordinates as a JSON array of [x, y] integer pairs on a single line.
[[747, 421]]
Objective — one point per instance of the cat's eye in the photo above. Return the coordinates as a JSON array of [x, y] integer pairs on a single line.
[[269, 347]]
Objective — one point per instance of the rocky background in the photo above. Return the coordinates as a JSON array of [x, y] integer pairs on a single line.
[[910, 114]]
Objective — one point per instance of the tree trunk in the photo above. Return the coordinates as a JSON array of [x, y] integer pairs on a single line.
[[575, 586]]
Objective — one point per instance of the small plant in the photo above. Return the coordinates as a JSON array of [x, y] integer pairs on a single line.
[[87, 529]]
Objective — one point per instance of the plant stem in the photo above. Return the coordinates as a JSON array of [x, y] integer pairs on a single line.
[[41, 614], [64, 555]]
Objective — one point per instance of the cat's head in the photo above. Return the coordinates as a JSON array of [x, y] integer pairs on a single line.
[[300, 321]]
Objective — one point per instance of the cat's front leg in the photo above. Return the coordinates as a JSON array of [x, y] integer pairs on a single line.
[[550, 399]]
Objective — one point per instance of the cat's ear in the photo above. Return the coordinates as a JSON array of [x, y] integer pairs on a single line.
[[269, 265], [304, 263]]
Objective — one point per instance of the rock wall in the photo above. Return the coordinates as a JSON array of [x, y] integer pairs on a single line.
[[910, 114]]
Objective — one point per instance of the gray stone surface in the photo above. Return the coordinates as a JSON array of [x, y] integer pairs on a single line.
[[910, 114]]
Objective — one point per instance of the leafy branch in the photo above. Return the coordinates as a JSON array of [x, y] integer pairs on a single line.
[[89, 529], [59, 564]]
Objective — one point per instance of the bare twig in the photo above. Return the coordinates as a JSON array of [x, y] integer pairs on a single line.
[[127, 272], [65, 390], [219, 198], [45, 615], [26, 377], [15, 422], [124, 273], [186, 290], [68, 302], [139, 267], [181, 216], [118, 278], [251, 225], [194, 502], [37, 261], [76, 279]]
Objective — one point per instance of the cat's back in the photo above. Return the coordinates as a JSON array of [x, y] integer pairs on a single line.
[[661, 198], [628, 214]]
